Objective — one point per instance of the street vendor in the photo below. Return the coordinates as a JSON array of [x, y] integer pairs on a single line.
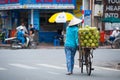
[[71, 44]]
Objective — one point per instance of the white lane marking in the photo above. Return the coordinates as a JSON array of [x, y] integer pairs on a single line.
[[98, 67], [23, 66], [2, 69], [51, 66], [110, 69]]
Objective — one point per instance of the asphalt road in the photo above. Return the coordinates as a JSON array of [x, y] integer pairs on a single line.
[[49, 64]]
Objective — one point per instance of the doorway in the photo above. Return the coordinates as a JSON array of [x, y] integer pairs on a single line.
[[24, 18]]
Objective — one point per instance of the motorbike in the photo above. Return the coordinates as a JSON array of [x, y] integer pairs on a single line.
[[114, 44], [2, 36], [16, 44]]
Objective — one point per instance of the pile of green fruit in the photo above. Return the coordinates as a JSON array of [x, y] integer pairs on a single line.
[[89, 37]]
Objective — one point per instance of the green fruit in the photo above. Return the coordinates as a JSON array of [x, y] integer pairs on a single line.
[[89, 34], [81, 37], [97, 32], [87, 37], [82, 44], [93, 45], [87, 26], [87, 44], [93, 28], [95, 41], [90, 40], [81, 30], [92, 37], [85, 41]]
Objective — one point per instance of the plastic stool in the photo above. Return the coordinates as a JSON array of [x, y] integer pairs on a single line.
[[56, 42]]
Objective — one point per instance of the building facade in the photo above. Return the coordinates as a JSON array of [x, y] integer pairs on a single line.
[[36, 12], [103, 9]]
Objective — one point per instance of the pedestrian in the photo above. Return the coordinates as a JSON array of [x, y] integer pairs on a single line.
[[71, 43], [31, 32]]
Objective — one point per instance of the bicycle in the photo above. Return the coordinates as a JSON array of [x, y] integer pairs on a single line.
[[85, 58]]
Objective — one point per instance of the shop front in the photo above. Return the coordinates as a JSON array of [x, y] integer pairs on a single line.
[[111, 9], [36, 12]]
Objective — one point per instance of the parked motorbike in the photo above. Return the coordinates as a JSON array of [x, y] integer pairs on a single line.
[[2, 36], [16, 44]]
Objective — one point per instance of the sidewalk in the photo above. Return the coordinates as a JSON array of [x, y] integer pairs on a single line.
[[48, 46], [41, 45]]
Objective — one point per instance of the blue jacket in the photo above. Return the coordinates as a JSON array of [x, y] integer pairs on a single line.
[[20, 34], [71, 37]]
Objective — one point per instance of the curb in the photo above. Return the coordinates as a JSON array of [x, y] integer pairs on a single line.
[[48, 46]]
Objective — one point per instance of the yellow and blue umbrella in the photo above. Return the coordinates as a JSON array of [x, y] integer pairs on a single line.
[[61, 17]]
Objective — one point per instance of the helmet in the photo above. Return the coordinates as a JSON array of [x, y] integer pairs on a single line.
[[117, 28]]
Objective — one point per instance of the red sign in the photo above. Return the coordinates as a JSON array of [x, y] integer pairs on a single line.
[[3, 1], [58, 1], [14, 1], [44, 0]]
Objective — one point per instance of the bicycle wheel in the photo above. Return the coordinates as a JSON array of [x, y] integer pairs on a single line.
[[81, 63], [88, 65], [81, 59]]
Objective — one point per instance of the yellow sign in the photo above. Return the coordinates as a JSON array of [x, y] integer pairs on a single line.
[[77, 11]]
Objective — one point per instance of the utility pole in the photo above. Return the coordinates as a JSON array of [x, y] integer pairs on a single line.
[[83, 12]]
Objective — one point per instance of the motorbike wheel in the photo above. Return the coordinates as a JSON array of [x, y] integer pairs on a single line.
[[15, 45], [117, 44], [33, 45]]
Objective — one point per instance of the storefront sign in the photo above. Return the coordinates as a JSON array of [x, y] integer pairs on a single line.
[[14, 1], [98, 1], [87, 12], [37, 4], [8, 1], [49, 1], [3, 1], [111, 9], [49, 6], [10, 6], [55, 1]]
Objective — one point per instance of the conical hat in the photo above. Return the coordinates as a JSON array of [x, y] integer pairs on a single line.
[[74, 21]]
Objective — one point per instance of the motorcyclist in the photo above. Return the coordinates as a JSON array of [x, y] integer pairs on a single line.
[[114, 34], [24, 30], [20, 35]]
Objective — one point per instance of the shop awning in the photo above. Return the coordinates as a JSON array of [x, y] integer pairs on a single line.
[[111, 20]]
